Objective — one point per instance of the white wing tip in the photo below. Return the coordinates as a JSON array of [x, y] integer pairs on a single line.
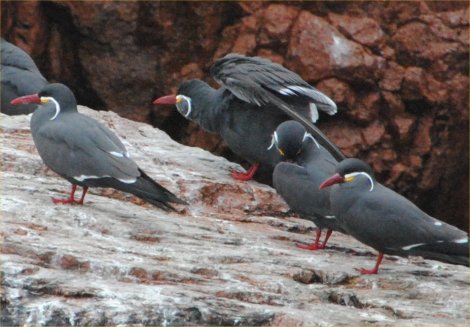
[[313, 112], [330, 108]]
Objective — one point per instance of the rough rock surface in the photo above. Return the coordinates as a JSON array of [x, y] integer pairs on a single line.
[[226, 259], [398, 71]]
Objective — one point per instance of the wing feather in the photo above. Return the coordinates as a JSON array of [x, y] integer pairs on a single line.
[[255, 74], [264, 96], [90, 154]]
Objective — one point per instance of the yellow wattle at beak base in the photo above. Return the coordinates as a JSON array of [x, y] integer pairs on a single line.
[[281, 152], [178, 99], [44, 100], [350, 178]]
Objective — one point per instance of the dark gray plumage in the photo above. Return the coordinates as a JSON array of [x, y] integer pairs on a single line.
[[256, 96], [250, 78], [387, 221], [19, 76], [85, 152], [298, 182]]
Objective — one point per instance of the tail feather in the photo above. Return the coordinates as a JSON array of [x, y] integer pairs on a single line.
[[450, 252], [152, 192], [162, 205], [456, 259], [146, 189]]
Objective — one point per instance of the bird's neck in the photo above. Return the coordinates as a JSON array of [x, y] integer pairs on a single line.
[[309, 152], [207, 106]]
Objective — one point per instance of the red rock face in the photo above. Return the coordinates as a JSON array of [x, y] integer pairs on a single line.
[[398, 72]]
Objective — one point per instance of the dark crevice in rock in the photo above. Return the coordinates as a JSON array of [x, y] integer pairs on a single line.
[[61, 27]]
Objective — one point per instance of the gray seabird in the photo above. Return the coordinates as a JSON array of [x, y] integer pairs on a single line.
[[383, 219], [20, 76], [298, 182], [256, 96], [85, 152]]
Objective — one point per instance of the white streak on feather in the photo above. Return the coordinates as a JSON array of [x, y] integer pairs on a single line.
[[120, 154], [328, 105], [57, 106], [286, 91], [313, 112], [274, 140], [362, 173], [82, 178], [188, 101], [409, 247], [309, 136], [117, 154], [128, 181]]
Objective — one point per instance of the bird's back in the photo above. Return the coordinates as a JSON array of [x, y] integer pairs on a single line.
[[19, 76], [300, 190], [77, 145], [299, 185], [247, 130], [390, 223]]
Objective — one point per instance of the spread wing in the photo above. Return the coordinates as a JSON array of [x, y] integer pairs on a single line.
[[259, 81], [247, 76]]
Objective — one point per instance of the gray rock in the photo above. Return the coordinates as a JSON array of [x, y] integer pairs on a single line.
[[227, 259]]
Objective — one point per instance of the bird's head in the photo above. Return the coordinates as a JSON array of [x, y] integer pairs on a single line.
[[58, 94], [348, 170], [289, 138], [182, 100]]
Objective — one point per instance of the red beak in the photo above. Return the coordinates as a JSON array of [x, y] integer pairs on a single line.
[[167, 99], [335, 179], [33, 98]]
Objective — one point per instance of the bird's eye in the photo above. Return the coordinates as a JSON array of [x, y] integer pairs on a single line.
[[183, 104], [349, 177]]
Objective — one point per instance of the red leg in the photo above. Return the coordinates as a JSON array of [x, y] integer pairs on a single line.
[[328, 234], [245, 176], [315, 245], [85, 189], [375, 269], [71, 198]]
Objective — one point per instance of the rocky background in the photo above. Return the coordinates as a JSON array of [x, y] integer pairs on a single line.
[[228, 258], [397, 70]]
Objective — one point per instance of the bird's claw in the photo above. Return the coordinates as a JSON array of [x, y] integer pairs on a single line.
[[312, 247], [364, 271], [66, 201], [239, 176], [247, 175]]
